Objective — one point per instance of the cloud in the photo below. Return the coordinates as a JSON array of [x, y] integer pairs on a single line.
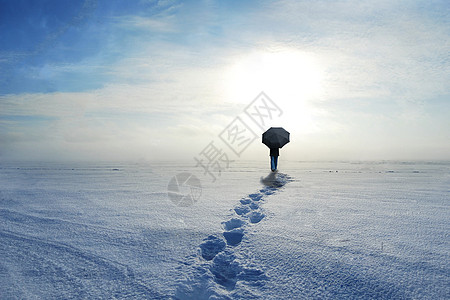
[[381, 48], [153, 24], [170, 78]]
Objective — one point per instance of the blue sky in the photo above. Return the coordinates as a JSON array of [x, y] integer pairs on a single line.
[[135, 80]]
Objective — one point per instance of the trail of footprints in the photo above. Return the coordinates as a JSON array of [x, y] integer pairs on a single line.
[[219, 251]]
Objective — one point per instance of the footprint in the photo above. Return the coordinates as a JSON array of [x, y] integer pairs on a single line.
[[234, 237], [246, 201], [256, 216], [226, 269], [242, 210], [255, 197], [253, 276], [233, 223], [254, 205], [269, 192], [211, 246]]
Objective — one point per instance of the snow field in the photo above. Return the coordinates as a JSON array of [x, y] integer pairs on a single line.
[[353, 230]]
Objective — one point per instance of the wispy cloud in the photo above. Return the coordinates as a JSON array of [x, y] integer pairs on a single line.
[[180, 71], [161, 24]]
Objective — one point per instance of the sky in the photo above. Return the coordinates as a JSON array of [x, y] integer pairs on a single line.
[[152, 80]]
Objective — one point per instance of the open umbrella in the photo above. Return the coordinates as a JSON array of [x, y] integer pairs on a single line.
[[275, 137]]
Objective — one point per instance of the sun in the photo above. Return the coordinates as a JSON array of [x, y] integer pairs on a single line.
[[292, 78]]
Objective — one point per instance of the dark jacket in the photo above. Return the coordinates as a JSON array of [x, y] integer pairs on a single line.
[[274, 151]]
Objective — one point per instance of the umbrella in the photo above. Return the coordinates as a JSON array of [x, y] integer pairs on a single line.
[[275, 137]]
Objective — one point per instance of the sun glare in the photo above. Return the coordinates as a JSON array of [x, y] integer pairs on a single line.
[[291, 78]]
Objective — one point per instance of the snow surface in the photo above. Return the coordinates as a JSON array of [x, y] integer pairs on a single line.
[[313, 230]]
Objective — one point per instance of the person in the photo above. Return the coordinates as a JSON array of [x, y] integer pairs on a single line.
[[274, 153]]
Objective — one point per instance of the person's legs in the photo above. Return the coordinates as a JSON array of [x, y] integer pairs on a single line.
[[276, 162], [272, 163]]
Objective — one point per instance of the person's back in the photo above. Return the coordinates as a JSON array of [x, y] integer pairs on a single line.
[[275, 152]]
